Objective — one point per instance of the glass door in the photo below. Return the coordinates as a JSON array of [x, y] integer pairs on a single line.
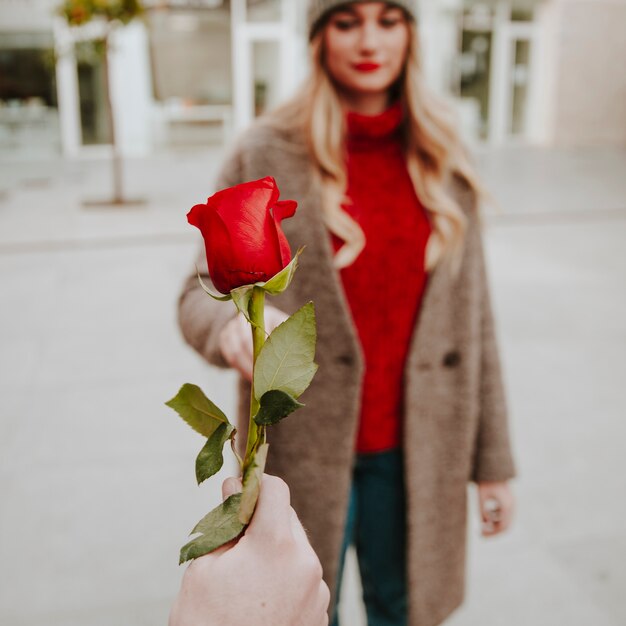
[[519, 86], [94, 120], [265, 47], [511, 92]]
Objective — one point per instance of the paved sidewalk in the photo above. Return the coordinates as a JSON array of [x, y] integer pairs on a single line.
[[96, 474]]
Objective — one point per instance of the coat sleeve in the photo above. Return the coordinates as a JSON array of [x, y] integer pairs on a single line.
[[200, 317], [493, 459]]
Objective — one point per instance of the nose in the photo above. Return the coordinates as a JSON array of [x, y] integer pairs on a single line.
[[370, 35]]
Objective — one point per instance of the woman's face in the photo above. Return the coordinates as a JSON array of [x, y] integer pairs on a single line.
[[365, 47]]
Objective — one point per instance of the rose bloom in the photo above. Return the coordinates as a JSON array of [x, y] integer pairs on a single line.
[[242, 235]]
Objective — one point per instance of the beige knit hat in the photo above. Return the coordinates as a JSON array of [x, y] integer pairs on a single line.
[[319, 8]]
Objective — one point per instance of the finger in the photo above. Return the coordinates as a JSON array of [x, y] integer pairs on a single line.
[[243, 363], [315, 611], [230, 487], [245, 338], [241, 349], [271, 522], [489, 528], [324, 601], [491, 509], [236, 356], [246, 344], [244, 332], [273, 318], [228, 342]]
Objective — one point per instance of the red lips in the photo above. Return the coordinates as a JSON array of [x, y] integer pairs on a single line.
[[366, 67]]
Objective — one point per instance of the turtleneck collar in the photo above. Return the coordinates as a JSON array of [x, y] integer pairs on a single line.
[[382, 126]]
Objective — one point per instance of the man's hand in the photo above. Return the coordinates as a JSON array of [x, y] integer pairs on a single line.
[[235, 339], [270, 577], [496, 504]]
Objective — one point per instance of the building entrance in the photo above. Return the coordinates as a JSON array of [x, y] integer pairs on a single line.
[[497, 69]]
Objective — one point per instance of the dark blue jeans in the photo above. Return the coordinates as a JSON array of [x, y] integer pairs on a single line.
[[377, 527]]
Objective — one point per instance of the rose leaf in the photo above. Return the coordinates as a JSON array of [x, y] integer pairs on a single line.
[[275, 406], [279, 282], [218, 527], [241, 297], [252, 484], [205, 288], [197, 410], [211, 459], [286, 359]]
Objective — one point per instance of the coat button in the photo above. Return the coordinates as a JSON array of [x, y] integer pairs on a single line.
[[452, 358], [345, 359]]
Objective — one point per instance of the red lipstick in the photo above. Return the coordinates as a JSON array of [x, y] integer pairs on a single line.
[[366, 67]]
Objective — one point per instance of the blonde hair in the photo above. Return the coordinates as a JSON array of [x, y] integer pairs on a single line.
[[433, 153]]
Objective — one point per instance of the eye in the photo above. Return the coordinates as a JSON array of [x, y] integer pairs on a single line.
[[391, 19], [389, 22], [344, 23]]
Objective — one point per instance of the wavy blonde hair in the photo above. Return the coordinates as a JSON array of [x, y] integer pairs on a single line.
[[433, 149]]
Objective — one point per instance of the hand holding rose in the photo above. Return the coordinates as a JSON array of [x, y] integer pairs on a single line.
[[270, 577]]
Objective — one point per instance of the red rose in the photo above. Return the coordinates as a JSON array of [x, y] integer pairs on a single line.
[[242, 234]]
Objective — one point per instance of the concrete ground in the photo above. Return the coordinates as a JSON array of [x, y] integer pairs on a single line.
[[96, 474]]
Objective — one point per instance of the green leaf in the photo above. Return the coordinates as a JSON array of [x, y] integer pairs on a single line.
[[218, 527], [241, 297], [286, 360], [211, 459], [275, 405], [197, 410], [279, 282], [252, 484], [222, 298]]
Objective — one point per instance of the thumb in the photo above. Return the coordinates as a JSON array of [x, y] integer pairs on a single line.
[[230, 487]]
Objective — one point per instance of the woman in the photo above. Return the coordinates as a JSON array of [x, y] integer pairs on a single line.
[[407, 405]]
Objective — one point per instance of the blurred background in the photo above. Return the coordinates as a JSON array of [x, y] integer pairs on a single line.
[[97, 488]]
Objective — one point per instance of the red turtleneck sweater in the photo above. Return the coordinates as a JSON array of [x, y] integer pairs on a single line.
[[384, 286]]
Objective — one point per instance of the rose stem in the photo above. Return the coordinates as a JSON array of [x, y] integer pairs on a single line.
[[257, 317]]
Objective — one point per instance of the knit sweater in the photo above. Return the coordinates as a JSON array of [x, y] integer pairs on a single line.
[[384, 286]]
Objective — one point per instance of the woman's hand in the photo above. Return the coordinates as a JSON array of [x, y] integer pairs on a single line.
[[496, 504], [235, 340]]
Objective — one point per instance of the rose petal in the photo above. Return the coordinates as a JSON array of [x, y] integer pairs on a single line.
[[243, 209], [284, 209], [218, 246], [280, 211], [197, 215]]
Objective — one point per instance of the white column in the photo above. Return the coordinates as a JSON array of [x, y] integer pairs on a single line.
[[288, 48], [67, 90], [131, 89], [543, 72], [500, 79], [243, 93]]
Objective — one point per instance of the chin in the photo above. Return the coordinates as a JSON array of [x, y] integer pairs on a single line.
[[372, 89], [371, 84]]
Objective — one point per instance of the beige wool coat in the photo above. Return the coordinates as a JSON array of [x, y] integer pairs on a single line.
[[455, 422]]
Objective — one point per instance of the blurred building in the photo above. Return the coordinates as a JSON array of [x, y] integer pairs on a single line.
[[548, 72]]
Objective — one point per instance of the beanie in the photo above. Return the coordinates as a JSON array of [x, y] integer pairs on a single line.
[[319, 8]]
